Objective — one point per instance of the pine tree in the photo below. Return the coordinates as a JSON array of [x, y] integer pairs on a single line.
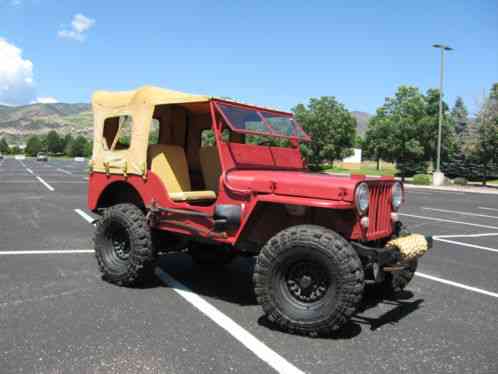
[[460, 115]]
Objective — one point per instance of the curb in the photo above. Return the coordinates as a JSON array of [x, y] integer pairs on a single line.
[[454, 189]]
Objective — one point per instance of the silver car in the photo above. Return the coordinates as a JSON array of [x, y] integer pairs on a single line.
[[41, 157]]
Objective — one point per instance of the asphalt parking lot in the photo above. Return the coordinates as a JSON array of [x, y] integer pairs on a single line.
[[58, 316]]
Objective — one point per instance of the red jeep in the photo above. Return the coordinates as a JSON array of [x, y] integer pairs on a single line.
[[172, 171]]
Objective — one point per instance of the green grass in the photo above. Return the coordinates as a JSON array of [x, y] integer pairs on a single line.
[[363, 170]]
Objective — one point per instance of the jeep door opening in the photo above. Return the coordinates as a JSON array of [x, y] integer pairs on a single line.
[[173, 171]]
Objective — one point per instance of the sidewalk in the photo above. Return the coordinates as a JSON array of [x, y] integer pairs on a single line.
[[492, 190]]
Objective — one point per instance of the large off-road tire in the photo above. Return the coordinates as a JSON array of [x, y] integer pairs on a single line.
[[123, 245], [210, 255], [309, 280]]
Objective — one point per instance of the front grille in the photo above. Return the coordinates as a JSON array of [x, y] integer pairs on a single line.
[[379, 211]]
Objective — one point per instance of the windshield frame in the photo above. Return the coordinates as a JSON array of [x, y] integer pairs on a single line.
[[258, 110]]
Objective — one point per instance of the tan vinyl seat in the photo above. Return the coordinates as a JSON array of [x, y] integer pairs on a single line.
[[169, 163], [210, 166]]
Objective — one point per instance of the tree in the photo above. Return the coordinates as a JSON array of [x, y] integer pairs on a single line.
[[430, 128], [460, 116], [395, 131], [4, 147], [78, 147], [33, 146], [67, 141], [405, 130], [494, 92], [487, 150], [89, 149], [43, 142], [331, 127], [377, 144], [15, 150], [54, 143]]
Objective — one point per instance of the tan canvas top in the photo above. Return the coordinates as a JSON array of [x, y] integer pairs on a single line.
[[138, 104], [146, 95]]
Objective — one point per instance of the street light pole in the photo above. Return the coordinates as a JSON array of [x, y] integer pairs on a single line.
[[438, 177]]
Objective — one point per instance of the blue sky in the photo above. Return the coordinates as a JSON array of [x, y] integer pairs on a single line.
[[276, 53]]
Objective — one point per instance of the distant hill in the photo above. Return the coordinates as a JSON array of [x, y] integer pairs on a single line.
[[18, 122], [362, 122]]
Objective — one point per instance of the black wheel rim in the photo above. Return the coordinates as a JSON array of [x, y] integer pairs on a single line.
[[117, 247], [306, 282]]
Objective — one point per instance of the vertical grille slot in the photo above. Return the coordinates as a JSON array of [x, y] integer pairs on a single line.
[[379, 213]]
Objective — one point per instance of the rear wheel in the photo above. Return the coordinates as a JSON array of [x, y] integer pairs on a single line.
[[123, 245], [308, 280]]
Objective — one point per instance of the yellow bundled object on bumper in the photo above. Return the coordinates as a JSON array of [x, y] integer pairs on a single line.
[[410, 247]]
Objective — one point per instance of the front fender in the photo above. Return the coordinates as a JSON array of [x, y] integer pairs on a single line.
[[287, 200]]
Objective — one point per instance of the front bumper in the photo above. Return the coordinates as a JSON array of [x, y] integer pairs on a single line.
[[392, 258]]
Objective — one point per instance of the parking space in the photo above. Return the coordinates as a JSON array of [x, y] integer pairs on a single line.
[[57, 315]]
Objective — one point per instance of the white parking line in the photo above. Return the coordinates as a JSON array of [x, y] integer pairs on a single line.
[[466, 236], [261, 350], [49, 187], [65, 171], [256, 346], [46, 252], [29, 171], [85, 216], [449, 221], [455, 284], [458, 212], [439, 239], [434, 189], [485, 208]]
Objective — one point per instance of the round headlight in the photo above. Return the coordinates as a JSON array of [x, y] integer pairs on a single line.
[[361, 198], [397, 195]]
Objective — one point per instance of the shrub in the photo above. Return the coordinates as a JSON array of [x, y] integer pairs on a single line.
[[422, 179], [460, 181]]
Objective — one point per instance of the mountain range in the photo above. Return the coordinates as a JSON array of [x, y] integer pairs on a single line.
[[17, 123]]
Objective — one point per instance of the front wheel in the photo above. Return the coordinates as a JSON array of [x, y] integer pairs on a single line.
[[123, 245], [309, 280]]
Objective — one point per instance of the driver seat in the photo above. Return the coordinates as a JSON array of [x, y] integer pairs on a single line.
[[169, 163]]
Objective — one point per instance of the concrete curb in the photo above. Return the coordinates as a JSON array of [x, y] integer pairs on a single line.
[[481, 190]]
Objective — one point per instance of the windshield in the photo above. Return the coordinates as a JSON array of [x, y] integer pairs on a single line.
[[261, 122]]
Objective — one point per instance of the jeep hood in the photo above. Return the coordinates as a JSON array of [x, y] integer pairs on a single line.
[[295, 183]]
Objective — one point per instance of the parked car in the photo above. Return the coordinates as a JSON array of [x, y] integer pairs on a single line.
[[216, 183], [41, 156]]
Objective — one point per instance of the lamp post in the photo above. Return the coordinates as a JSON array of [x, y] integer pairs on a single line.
[[438, 177]]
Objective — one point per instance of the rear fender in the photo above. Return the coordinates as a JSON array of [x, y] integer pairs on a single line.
[[105, 190]]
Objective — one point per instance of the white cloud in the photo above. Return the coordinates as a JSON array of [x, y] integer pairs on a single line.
[[79, 25], [16, 75], [45, 100]]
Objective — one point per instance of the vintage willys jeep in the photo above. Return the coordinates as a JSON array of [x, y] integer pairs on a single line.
[[172, 171]]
